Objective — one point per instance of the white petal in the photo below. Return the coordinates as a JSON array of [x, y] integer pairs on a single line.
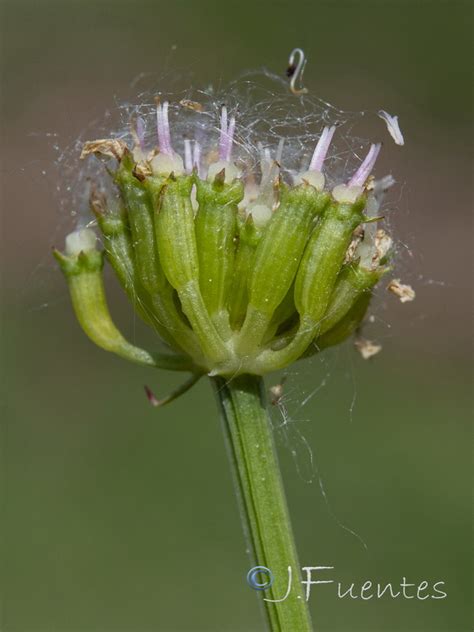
[[314, 178], [231, 171], [79, 241], [261, 214], [346, 194], [164, 164], [392, 126]]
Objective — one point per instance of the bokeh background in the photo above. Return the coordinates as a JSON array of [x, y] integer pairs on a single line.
[[118, 517]]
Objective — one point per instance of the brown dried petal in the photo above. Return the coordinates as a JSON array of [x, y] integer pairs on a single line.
[[192, 105], [98, 201], [357, 237], [404, 292], [383, 243], [105, 147], [142, 170]]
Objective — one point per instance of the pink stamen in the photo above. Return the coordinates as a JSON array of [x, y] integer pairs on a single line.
[[163, 127], [365, 169], [227, 135], [321, 149], [141, 133]]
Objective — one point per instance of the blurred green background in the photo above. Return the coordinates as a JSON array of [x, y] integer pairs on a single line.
[[118, 517]]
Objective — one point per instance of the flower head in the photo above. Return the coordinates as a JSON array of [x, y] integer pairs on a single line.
[[241, 263]]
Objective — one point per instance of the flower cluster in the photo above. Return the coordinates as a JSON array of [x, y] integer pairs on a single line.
[[237, 270]]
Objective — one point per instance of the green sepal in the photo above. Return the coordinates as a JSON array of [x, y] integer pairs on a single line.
[[84, 276], [277, 258], [345, 327], [126, 249], [174, 229], [248, 237], [118, 247], [119, 253], [216, 232], [347, 307], [280, 250], [176, 241], [85, 261], [324, 257], [213, 347], [319, 268], [352, 282], [140, 197], [154, 184], [140, 217], [284, 317]]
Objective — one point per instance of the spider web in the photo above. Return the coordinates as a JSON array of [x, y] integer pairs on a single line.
[[266, 112]]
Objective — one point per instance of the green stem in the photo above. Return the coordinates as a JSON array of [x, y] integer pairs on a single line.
[[263, 506]]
